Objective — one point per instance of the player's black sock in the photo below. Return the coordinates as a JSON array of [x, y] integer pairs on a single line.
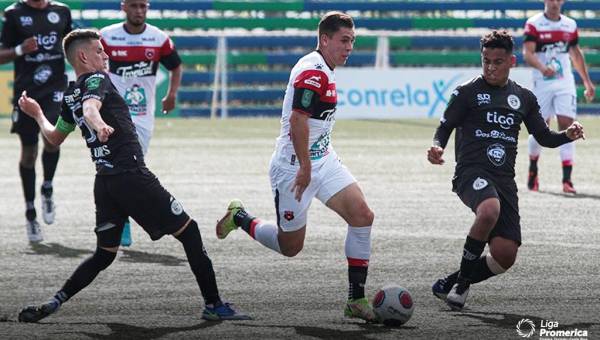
[[357, 277], [199, 262], [28, 181], [533, 168], [471, 253], [243, 220], [49, 162], [567, 169], [30, 213], [481, 271], [86, 273]]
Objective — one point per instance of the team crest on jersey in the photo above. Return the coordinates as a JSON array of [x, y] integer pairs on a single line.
[[93, 82], [149, 53], [53, 18], [307, 98], [479, 183], [514, 102], [288, 215], [496, 154], [26, 21]]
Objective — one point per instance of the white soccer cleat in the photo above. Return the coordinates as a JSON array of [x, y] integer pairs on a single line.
[[458, 296], [34, 232], [48, 209]]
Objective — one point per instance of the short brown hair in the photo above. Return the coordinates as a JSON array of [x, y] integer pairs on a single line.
[[331, 22], [75, 39]]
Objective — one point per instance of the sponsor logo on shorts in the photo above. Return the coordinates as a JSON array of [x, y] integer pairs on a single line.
[[288, 215], [479, 183], [176, 207], [514, 102], [496, 154]]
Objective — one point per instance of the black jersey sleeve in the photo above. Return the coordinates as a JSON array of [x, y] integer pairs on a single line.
[[69, 24], [168, 55], [452, 118], [8, 34], [539, 129], [95, 86]]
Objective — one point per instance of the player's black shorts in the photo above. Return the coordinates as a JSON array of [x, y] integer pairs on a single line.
[[26, 127], [473, 186], [135, 193]]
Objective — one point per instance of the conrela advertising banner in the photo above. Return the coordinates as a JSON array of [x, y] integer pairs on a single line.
[[404, 92]]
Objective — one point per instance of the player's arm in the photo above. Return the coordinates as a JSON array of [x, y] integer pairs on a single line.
[[529, 44], [452, 117], [172, 62], [578, 60], [91, 114], [55, 134], [543, 134], [9, 48]]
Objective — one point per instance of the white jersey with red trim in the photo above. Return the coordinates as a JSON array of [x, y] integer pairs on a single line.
[[311, 90], [134, 60], [552, 42]]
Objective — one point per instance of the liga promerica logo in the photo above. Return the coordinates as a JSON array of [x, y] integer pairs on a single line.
[[525, 328]]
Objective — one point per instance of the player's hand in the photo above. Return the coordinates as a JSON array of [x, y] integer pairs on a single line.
[[590, 92], [104, 132], [29, 106], [575, 131], [29, 45], [434, 155], [549, 71], [168, 103], [301, 183]]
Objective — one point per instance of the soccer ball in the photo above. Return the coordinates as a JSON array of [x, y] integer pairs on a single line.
[[393, 305]]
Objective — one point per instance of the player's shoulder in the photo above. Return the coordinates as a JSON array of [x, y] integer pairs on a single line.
[[520, 91], [468, 86], [57, 5], [568, 21], [12, 8], [92, 80], [312, 62], [112, 29], [536, 19], [155, 31]]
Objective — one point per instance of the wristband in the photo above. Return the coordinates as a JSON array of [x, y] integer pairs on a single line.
[[19, 50]]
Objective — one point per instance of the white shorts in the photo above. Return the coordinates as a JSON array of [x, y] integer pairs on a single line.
[[561, 103], [326, 180], [144, 136]]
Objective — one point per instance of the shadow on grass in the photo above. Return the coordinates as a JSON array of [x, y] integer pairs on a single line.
[[330, 333], [56, 249], [135, 256], [508, 320]]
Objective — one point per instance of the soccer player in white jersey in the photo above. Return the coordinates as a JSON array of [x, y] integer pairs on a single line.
[[135, 49], [550, 39], [304, 165]]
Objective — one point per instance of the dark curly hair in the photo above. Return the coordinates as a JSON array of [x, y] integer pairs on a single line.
[[498, 39]]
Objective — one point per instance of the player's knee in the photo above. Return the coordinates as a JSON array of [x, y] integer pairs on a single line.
[[28, 156], [291, 250], [103, 258], [363, 216], [488, 212]]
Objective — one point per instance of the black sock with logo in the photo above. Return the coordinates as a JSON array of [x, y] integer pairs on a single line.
[[471, 253]]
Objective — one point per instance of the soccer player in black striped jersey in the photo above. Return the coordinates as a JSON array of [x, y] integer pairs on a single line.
[[124, 186], [32, 31], [487, 113]]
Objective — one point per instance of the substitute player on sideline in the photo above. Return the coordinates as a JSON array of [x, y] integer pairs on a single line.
[[304, 165], [487, 113], [550, 39], [32, 32], [135, 50], [123, 185]]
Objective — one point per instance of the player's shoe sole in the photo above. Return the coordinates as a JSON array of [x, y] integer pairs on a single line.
[[360, 309], [226, 224]]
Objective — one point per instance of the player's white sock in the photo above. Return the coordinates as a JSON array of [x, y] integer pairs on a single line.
[[567, 153], [265, 233], [358, 252], [535, 149]]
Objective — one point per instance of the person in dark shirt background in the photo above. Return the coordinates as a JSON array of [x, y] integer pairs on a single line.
[[123, 186], [31, 37], [486, 113]]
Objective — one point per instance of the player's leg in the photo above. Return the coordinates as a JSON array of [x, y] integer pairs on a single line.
[[478, 192], [28, 131], [141, 196], [566, 110], [109, 221], [50, 156], [286, 236], [545, 100]]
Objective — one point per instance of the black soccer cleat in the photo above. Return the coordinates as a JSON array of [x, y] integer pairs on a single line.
[[36, 313]]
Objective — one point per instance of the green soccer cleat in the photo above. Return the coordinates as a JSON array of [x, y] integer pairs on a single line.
[[226, 224], [361, 309]]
